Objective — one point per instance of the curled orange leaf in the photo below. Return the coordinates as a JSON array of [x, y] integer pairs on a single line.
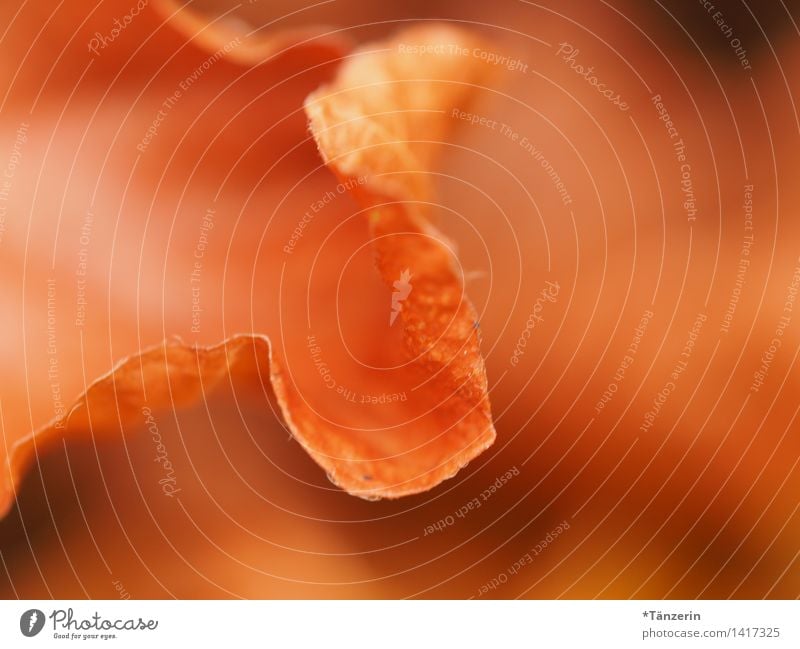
[[377, 126]]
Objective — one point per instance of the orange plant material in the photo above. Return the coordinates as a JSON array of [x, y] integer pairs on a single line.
[[380, 120]]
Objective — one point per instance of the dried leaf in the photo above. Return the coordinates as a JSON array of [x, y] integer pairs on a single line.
[[381, 121]]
